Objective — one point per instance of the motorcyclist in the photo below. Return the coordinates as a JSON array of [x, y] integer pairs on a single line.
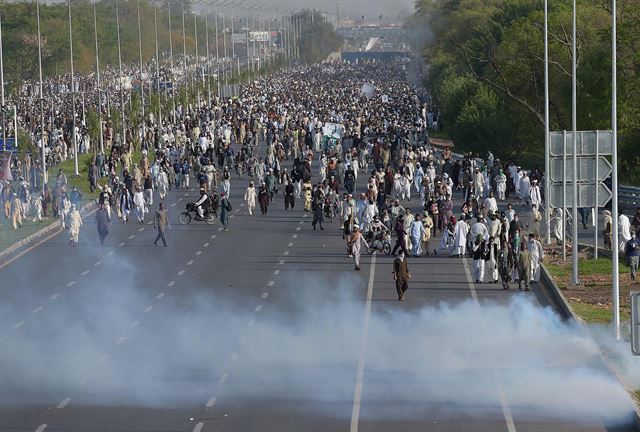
[[203, 203], [377, 228]]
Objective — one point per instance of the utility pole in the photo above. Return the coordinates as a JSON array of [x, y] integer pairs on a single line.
[[615, 276], [574, 158], [142, 141], [73, 99], [95, 28], [44, 162], [547, 180], [124, 134]]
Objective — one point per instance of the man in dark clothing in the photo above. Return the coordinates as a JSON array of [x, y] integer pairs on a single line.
[[317, 206], [161, 222], [632, 252], [102, 222], [401, 275], [289, 200], [401, 234]]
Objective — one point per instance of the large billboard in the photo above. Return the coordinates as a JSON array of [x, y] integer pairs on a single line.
[[259, 36]]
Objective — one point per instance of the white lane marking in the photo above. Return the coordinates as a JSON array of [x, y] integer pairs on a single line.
[[294, 236], [181, 272], [286, 253], [38, 309], [357, 393], [198, 253], [121, 244], [159, 296], [198, 427], [148, 309], [242, 205], [251, 323], [109, 253], [211, 402], [265, 294], [206, 244], [173, 205], [213, 236], [189, 262], [300, 223], [220, 229], [135, 324], [223, 378], [276, 272], [305, 215], [98, 263], [150, 223], [270, 283], [41, 428], [84, 273], [120, 340], [236, 210], [63, 403], [141, 229], [83, 381], [172, 283], [472, 288], [18, 325], [132, 236], [104, 358], [232, 216], [186, 194], [72, 283], [180, 199], [281, 262], [55, 296], [258, 308], [234, 357], [298, 229], [290, 245]]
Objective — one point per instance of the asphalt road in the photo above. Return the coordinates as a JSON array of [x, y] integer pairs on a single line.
[[267, 327]]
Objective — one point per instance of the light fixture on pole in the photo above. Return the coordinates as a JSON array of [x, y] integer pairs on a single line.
[[615, 276], [42, 132], [73, 99]]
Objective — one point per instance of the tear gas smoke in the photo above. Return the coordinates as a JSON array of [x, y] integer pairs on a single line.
[[304, 344]]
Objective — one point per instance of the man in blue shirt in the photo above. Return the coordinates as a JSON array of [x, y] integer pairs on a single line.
[[632, 251]]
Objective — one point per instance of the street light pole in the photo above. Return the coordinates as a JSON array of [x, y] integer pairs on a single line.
[[184, 53], [124, 128], [4, 133], [155, 23], [197, 71], [73, 98], [95, 29], [44, 162], [546, 124], [615, 277], [142, 142], [173, 90], [208, 63], [574, 158]]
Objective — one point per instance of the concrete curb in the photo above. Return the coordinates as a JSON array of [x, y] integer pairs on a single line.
[[567, 313], [86, 210]]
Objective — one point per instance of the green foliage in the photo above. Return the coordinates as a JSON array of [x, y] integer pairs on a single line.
[[318, 39], [486, 73]]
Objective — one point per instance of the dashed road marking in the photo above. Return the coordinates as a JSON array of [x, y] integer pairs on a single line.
[[276, 272], [233, 357], [223, 378], [104, 358], [55, 296], [159, 296], [18, 325], [294, 236], [150, 223], [270, 283], [148, 309], [121, 244], [173, 205], [298, 229], [109, 253], [41, 428], [281, 262], [300, 223], [220, 229], [132, 236], [286, 253], [232, 216], [181, 272], [290, 245], [258, 308], [72, 283], [189, 262], [83, 381], [198, 427], [213, 236], [180, 199], [172, 283], [198, 253], [64, 403], [38, 309], [120, 340], [140, 229], [206, 244], [135, 324], [251, 323], [211, 402], [265, 295], [186, 194], [84, 273], [98, 263]]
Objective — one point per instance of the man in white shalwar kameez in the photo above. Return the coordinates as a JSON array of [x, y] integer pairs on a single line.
[[460, 238], [535, 196], [163, 184], [537, 254], [250, 198], [624, 233], [525, 188], [75, 222]]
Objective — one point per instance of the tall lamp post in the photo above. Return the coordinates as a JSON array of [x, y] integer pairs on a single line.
[[124, 127], [73, 98], [42, 133], [142, 142], [99, 103], [615, 278]]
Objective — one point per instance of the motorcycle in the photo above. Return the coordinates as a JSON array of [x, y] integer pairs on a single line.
[[191, 213], [380, 242]]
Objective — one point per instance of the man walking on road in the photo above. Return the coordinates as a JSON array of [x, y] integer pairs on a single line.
[[161, 222], [356, 245], [632, 251], [401, 275], [102, 222], [537, 255]]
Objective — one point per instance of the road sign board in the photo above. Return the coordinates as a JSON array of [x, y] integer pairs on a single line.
[[586, 143], [586, 169], [635, 322], [586, 195], [8, 144]]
